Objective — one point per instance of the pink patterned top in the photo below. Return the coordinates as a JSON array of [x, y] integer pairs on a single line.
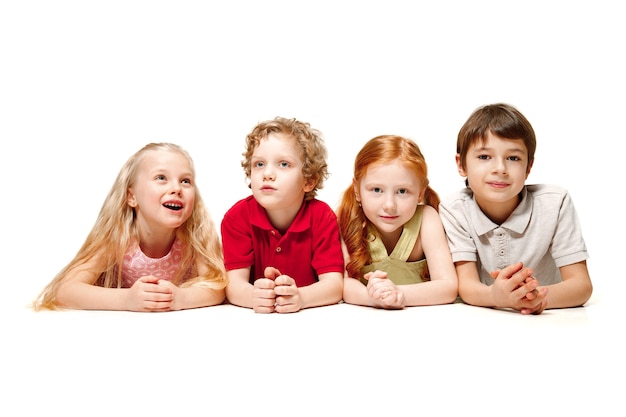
[[137, 264]]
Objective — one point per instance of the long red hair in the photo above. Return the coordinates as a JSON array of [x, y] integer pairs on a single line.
[[353, 224]]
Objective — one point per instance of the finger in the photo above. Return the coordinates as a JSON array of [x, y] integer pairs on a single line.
[[266, 294], [149, 279], [537, 305], [375, 282], [285, 290], [163, 283], [520, 279], [264, 302], [527, 287], [271, 273], [158, 297], [543, 294], [286, 305], [381, 291], [264, 283], [263, 309], [285, 280], [380, 274], [510, 270], [157, 305]]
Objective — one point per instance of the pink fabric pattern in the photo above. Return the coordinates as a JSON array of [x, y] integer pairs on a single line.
[[137, 264]]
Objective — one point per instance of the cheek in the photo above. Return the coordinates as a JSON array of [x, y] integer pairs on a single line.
[[369, 207], [191, 198]]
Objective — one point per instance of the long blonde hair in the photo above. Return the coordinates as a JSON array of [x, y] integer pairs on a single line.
[[353, 224], [115, 230]]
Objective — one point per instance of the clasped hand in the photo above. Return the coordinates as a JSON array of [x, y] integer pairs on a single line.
[[516, 287], [383, 292], [275, 293], [150, 293]]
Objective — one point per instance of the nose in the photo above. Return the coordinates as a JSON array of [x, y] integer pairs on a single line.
[[499, 165], [176, 188], [268, 173], [389, 205]]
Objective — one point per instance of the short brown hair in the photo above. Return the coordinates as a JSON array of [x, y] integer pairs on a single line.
[[502, 120]]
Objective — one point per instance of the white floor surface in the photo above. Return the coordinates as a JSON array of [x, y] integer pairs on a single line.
[[342, 359]]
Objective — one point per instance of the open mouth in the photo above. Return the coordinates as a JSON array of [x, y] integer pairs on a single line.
[[173, 206]]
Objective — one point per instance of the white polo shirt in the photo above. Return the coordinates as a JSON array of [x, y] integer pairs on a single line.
[[543, 232]]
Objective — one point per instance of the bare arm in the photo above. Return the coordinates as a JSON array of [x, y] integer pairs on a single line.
[[78, 291], [575, 289], [471, 289], [443, 285], [194, 296], [239, 290], [290, 298], [354, 292], [326, 291], [510, 289]]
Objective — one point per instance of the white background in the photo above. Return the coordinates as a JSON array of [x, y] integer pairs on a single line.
[[84, 84]]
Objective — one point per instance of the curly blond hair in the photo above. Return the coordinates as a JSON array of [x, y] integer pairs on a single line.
[[310, 142], [115, 230]]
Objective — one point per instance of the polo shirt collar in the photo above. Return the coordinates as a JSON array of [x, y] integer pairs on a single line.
[[259, 217], [517, 221]]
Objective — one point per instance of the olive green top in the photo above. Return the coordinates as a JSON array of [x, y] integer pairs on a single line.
[[399, 271]]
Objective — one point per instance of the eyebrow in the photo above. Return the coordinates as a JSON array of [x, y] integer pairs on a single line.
[[484, 148]]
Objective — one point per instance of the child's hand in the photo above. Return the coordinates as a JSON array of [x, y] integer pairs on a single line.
[[263, 295], [515, 287], [531, 294], [383, 291], [147, 295], [287, 295], [540, 301]]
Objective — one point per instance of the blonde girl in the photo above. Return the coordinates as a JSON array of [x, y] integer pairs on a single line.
[[153, 247], [390, 227]]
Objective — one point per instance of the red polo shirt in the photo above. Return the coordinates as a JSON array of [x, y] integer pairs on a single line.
[[310, 247]]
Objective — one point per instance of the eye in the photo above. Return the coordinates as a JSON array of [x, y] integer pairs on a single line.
[[484, 157], [160, 178], [403, 191], [284, 164], [186, 181], [377, 190], [515, 158], [258, 164]]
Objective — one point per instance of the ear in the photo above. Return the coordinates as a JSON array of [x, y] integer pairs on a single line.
[[309, 185], [459, 165], [420, 199], [130, 198], [530, 165]]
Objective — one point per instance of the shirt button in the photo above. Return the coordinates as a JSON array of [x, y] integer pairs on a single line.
[[278, 249]]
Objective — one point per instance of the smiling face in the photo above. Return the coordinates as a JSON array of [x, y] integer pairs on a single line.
[[276, 177], [496, 170], [389, 195], [163, 191]]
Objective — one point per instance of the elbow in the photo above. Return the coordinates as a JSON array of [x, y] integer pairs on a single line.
[[586, 293], [453, 293], [338, 294]]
